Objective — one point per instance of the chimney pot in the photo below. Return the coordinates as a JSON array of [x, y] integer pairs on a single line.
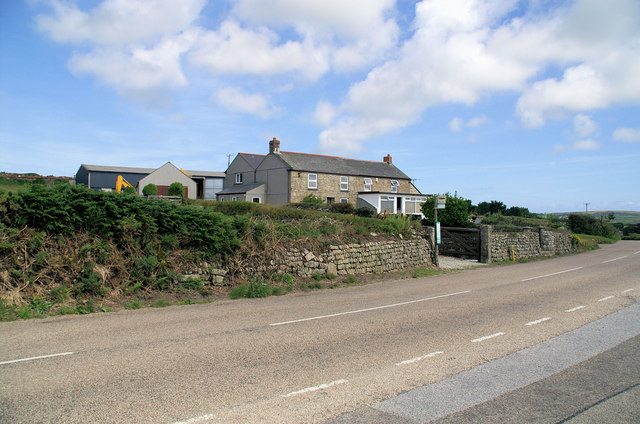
[[274, 145], [387, 159]]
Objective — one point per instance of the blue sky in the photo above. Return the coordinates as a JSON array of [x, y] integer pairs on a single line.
[[532, 103]]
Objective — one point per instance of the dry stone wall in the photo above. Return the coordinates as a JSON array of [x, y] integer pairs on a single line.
[[528, 244], [345, 259]]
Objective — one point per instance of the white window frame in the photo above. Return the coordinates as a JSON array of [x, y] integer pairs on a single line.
[[368, 184], [344, 200], [312, 181], [344, 183], [238, 177], [394, 186], [254, 198], [234, 198]]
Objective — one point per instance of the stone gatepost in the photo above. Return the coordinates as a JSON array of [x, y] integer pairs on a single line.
[[485, 243]]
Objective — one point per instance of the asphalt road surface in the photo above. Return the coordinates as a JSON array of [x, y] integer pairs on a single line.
[[335, 354]]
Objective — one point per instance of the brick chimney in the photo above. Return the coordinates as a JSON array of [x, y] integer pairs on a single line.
[[274, 146], [387, 159]]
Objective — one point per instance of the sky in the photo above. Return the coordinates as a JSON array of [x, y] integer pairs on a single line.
[[532, 103]]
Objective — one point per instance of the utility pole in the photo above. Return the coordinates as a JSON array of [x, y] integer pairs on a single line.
[[229, 158], [586, 208]]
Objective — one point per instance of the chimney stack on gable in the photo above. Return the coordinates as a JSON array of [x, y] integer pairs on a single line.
[[274, 146], [387, 159]]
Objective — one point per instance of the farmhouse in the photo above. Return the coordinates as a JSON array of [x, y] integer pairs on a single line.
[[286, 177], [198, 184]]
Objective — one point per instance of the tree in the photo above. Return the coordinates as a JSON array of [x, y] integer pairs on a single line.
[[456, 213], [176, 189], [518, 211], [129, 190], [150, 190], [489, 208]]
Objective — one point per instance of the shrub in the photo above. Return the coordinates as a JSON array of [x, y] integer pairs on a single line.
[[129, 190], [176, 189], [258, 288], [587, 224], [365, 212], [456, 213], [312, 199], [346, 208], [150, 190]]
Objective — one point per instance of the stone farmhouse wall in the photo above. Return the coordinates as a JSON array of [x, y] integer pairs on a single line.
[[527, 244], [329, 186]]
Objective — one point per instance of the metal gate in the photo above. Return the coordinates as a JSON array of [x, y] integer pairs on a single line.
[[460, 242]]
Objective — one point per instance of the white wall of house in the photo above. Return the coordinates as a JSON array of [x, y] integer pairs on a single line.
[[165, 176]]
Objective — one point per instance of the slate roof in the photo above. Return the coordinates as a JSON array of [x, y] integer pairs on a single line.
[[130, 170], [342, 166], [253, 159]]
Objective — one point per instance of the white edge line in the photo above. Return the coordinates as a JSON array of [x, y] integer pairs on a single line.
[[611, 260], [549, 275], [491, 336], [605, 298], [636, 253], [627, 290], [576, 308], [197, 419], [368, 309], [315, 388], [36, 357], [420, 358], [538, 321]]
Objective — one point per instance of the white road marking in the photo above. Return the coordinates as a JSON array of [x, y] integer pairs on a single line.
[[576, 308], [197, 419], [615, 259], [549, 275], [538, 321], [627, 290], [420, 358], [491, 336], [635, 253], [369, 309], [605, 298], [36, 357], [315, 388]]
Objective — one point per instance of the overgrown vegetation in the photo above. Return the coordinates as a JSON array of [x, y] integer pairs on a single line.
[[587, 224]]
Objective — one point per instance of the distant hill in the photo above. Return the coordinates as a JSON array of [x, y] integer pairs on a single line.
[[623, 217]]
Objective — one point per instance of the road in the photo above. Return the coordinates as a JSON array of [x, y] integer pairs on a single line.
[[308, 357]]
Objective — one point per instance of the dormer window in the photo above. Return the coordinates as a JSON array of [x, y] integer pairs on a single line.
[[394, 186], [239, 178], [368, 184]]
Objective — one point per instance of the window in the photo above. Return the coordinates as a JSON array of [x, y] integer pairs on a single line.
[[234, 199], [394, 186], [344, 200], [331, 200], [344, 183], [256, 200], [387, 203], [238, 178], [313, 181], [368, 184]]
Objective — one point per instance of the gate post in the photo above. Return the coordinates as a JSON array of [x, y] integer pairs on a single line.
[[485, 243], [431, 236]]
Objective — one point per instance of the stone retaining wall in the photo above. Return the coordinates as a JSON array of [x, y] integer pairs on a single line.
[[529, 244], [344, 259]]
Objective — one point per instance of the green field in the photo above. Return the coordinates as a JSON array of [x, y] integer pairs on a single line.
[[622, 217]]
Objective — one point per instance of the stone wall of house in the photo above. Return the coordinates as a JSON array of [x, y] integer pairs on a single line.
[[528, 244], [345, 259], [329, 186]]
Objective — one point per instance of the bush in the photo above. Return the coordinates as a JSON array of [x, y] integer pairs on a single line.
[[456, 213], [587, 224], [312, 199], [346, 208], [176, 189], [365, 212], [150, 190]]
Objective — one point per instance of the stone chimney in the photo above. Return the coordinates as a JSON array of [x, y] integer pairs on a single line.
[[274, 146], [387, 159]]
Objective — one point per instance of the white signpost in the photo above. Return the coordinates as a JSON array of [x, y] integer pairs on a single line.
[[439, 203]]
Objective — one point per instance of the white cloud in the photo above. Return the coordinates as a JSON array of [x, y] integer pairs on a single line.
[[235, 50], [324, 113], [584, 126], [119, 22], [456, 124], [463, 50], [580, 145], [627, 134], [251, 104]]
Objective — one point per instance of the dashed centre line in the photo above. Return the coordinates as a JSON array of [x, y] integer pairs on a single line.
[[491, 336], [627, 290], [552, 274], [577, 308], [538, 321], [420, 358], [315, 388], [605, 298], [615, 259], [370, 309], [13, 361]]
